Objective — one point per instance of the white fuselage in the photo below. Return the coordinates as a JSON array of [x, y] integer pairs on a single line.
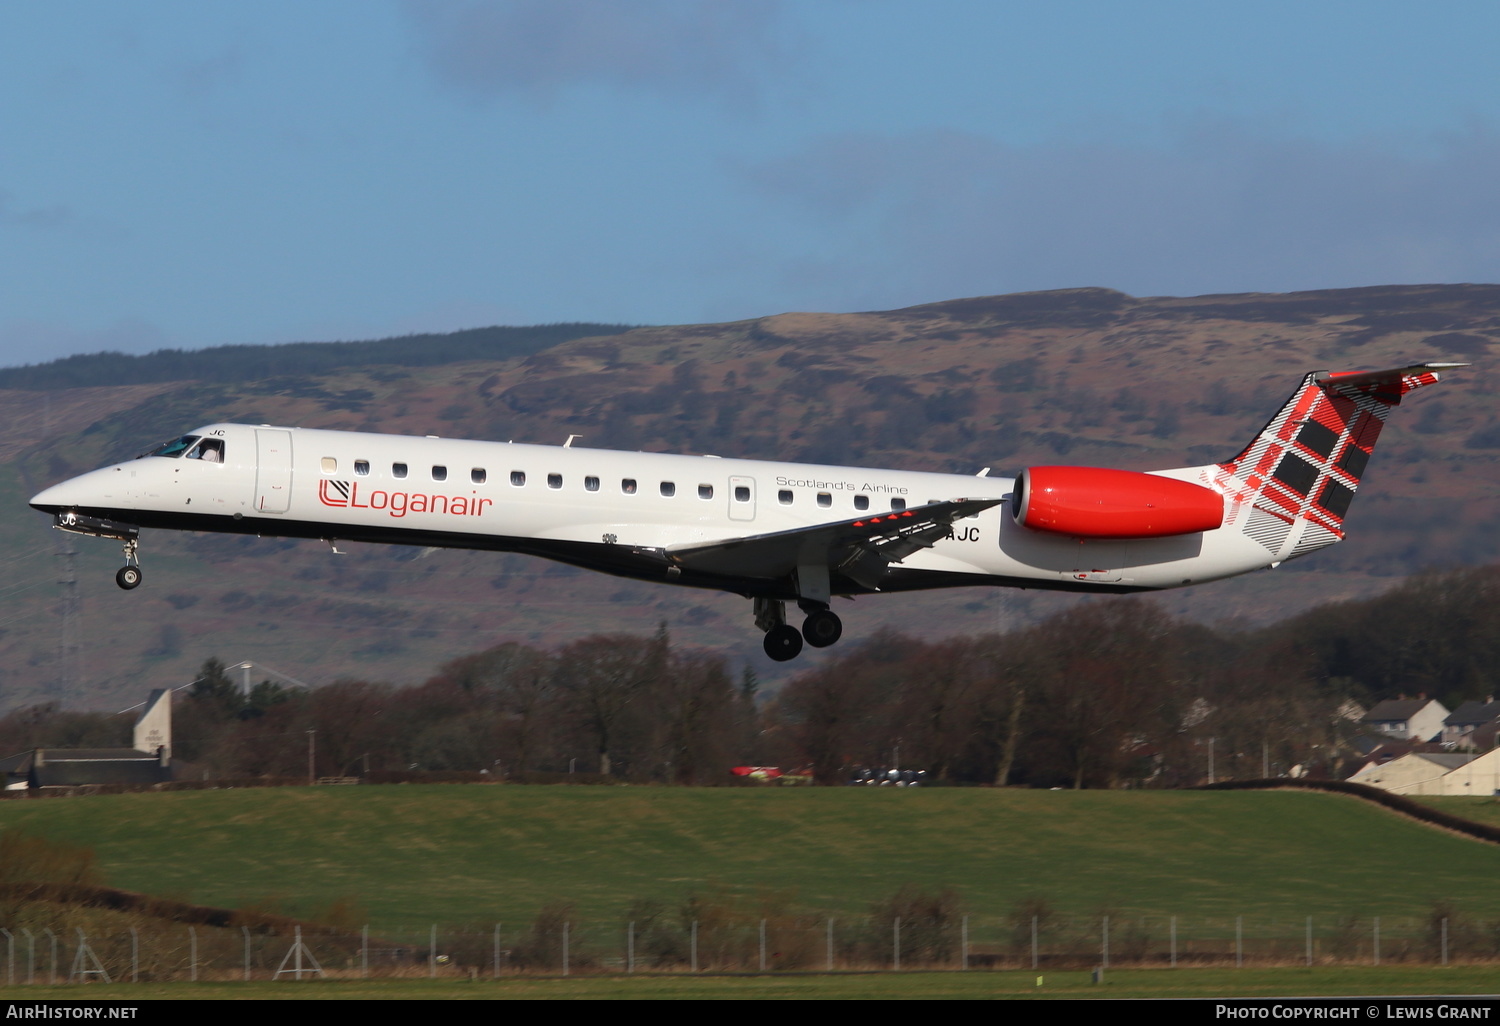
[[595, 506]]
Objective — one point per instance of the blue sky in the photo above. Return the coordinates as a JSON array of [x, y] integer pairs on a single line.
[[200, 173]]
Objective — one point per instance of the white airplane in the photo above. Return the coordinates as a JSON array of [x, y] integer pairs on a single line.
[[773, 532]]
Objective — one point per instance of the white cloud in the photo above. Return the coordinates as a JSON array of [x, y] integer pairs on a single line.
[[207, 75], [55, 216], [540, 47]]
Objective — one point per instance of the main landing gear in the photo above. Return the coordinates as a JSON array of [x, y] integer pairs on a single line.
[[129, 575], [783, 642]]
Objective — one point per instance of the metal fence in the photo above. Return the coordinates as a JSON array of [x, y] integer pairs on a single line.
[[780, 944]]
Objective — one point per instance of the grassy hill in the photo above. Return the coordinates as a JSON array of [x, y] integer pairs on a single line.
[[1086, 376], [475, 854]]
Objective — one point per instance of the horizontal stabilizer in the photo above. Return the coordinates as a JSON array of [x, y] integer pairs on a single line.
[[1394, 374]]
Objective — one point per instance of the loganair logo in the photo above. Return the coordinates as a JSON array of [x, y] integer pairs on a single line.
[[347, 495]]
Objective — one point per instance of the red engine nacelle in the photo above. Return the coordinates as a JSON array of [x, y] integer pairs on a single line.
[[1095, 503]]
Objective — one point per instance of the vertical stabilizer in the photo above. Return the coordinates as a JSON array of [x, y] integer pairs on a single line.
[[1291, 487]]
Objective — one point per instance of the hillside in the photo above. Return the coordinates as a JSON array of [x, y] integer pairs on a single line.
[[1085, 376]]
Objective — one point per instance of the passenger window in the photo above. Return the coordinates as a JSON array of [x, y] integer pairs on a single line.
[[627, 485], [668, 489], [440, 473], [554, 480], [362, 468], [330, 465], [591, 484], [824, 499], [898, 504], [518, 478], [861, 502], [478, 476], [741, 493], [705, 491], [398, 469], [784, 497]]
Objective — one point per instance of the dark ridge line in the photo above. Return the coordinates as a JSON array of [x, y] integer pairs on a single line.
[[1395, 802], [253, 362]]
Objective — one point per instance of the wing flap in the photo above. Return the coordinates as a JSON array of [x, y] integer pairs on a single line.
[[859, 547]]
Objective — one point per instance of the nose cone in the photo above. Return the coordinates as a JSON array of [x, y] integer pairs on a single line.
[[52, 500], [92, 489]]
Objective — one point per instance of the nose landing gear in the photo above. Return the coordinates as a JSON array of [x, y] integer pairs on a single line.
[[129, 575]]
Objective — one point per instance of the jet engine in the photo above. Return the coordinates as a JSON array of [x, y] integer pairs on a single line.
[[1090, 502]]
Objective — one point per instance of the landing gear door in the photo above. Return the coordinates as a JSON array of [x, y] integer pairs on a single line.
[[742, 498], [273, 471]]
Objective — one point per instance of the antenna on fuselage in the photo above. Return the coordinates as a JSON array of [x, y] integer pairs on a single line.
[[569, 443]]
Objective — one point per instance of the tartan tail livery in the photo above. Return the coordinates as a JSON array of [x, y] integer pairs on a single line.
[[1291, 487]]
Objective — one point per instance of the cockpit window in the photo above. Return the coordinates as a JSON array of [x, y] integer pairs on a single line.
[[174, 448], [210, 450]]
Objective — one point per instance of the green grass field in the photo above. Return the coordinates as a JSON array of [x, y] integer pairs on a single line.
[[455, 855], [1138, 983], [1481, 810]]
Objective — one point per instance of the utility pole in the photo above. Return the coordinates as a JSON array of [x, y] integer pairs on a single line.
[[311, 777]]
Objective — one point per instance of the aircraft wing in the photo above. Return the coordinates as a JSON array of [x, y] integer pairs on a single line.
[[860, 549]]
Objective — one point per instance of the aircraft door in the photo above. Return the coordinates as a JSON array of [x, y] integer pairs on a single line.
[[742, 498], [273, 471]]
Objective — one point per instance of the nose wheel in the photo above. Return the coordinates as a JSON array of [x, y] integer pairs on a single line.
[[128, 576]]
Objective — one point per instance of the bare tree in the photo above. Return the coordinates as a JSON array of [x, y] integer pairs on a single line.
[[601, 677]]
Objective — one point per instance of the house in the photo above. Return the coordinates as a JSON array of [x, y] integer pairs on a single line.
[[148, 762], [1459, 726], [77, 767], [1413, 773], [1418, 719], [1480, 775], [1377, 749]]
